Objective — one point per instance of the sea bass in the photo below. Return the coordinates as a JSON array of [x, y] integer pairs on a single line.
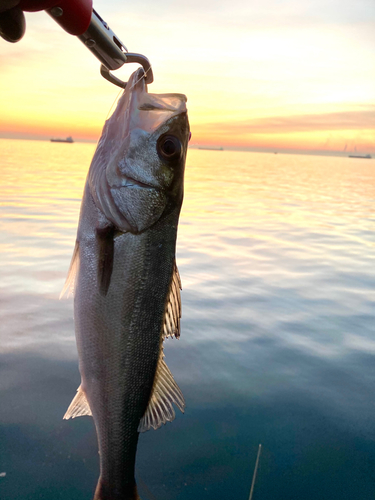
[[125, 279]]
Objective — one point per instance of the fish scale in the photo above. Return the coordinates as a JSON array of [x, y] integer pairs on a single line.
[[136, 362], [126, 281]]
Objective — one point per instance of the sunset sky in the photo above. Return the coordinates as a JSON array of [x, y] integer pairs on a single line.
[[264, 74]]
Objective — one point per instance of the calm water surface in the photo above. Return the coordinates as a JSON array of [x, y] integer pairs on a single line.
[[276, 255]]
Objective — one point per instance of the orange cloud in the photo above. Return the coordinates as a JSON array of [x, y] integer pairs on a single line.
[[335, 130], [345, 120]]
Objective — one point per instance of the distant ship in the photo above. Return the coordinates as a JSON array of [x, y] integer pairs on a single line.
[[368, 157], [211, 149], [68, 139]]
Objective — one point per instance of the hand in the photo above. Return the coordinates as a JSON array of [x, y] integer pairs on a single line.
[[12, 21]]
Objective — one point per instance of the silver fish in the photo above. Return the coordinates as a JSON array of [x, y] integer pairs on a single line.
[[126, 283]]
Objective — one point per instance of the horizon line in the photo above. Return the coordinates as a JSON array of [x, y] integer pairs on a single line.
[[215, 147]]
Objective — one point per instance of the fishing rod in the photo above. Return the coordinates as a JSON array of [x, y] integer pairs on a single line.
[[78, 18]]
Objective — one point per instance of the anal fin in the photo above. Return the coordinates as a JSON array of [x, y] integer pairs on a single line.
[[79, 406], [164, 393]]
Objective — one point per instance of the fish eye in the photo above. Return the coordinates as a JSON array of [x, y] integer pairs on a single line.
[[169, 147]]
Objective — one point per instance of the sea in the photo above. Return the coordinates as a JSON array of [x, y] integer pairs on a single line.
[[277, 259]]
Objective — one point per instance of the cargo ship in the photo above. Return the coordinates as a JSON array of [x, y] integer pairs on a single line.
[[211, 148], [68, 139], [368, 157]]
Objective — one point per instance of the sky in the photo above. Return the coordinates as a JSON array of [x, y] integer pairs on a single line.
[[280, 74]]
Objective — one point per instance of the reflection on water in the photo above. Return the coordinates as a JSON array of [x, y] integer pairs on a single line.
[[276, 254]]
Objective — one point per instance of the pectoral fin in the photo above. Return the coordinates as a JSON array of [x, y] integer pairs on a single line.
[[164, 393], [105, 237], [79, 406]]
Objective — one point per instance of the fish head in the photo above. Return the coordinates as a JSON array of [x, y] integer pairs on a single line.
[[139, 170]]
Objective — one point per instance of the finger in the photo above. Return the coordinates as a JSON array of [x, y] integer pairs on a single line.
[[8, 4], [12, 25]]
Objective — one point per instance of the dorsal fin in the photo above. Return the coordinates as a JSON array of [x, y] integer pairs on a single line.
[[165, 392], [72, 273], [172, 313], [79, 406]]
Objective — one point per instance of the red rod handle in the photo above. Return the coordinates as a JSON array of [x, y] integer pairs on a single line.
[[73, 16]]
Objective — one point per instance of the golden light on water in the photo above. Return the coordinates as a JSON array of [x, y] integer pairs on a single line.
[[232, 189]]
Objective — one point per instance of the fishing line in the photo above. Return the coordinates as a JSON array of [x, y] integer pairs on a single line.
[[255, 472], [131, 88], [143, 76], [116, 99]]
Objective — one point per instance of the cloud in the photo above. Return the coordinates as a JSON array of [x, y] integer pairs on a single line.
[[343, 120], [253, 13]]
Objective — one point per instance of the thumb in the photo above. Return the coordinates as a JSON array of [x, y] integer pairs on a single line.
[[12, 25]]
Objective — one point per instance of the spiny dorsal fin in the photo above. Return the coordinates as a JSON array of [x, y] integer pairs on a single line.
[[164, 393], [79, 406], [72, 273], [172, 313]]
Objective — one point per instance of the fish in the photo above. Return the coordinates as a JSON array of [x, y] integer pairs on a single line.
[[125, 279]]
